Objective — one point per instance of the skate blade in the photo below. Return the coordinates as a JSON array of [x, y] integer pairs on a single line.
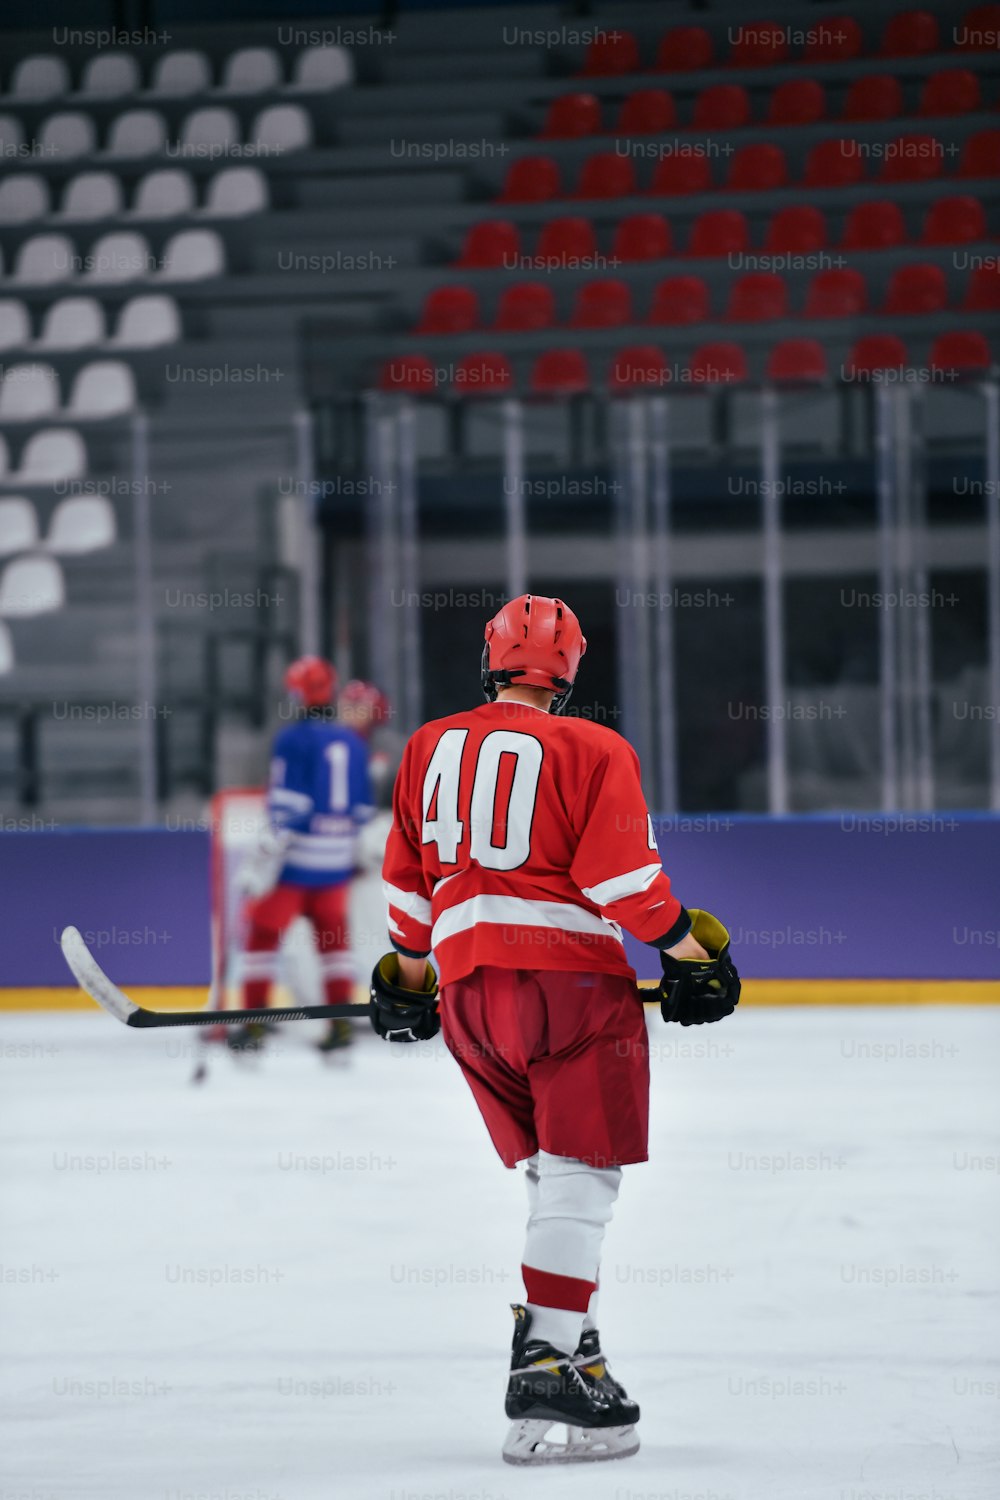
[[527, 1443]]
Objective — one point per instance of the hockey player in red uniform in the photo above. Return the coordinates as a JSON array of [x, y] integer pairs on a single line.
[[521, 845]]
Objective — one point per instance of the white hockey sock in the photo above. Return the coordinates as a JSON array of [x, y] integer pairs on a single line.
[[570, 1204]]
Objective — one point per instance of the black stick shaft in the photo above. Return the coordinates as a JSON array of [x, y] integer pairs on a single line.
[[345, 1012]]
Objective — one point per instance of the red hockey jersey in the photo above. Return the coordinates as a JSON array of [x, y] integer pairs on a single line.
[[522, 840]]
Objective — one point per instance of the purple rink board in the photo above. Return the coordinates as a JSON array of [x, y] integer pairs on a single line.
[[845, 896]]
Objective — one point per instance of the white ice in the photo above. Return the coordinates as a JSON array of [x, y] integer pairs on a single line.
[[295, 1286]]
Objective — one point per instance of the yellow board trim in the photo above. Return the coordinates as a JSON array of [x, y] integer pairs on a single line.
[[755, 992]]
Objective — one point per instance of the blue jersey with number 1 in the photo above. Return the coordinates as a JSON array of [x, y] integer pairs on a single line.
[[320, 791]]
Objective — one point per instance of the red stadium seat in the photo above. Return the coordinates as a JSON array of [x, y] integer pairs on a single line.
[[952, 91], [602, 304], [572, 116], [681, 173], [525, 307], [759, 44], [877, 351], [718, 364], [981, 156], [647, 112], [679, 300], [449, 309], [836, 294], [833, 164], [606, 175], [721, 231], [684, 49], [756, 169], [834, 39], [797, 360], [799, 229], [560, 372], [566, 240], [912, 158], [484, 373], [910, 33], [639, 365], [982, 294], [531, 179], [874, 96], [965, 353], [954, 221], [797, 101], [916, 289], [610, 54], [874, 225], [724, 106], [642, 237], [757, 297], [492, 244], [980, 29], [408, 374]]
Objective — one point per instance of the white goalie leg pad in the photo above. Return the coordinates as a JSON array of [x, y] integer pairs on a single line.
[[534, 1442]]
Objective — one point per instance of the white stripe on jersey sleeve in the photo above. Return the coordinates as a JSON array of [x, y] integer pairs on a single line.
[[410, 903], [517, 911], [629, 884]]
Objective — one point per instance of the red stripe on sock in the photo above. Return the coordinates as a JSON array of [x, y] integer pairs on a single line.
[[546, 1289]]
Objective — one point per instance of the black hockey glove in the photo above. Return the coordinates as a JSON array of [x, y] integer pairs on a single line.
[[696, 990], [400, 1015]]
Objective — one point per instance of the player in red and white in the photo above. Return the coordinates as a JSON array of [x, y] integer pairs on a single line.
[[318, 799], [364, 708], [521, 845]]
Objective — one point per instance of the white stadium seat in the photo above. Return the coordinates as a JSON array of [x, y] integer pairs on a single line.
[[118, 257], [11, 135], [138, 132], [72, 323], [179, 74], [237, 190], [89, 196], [282, 127], [4, 458], [15, 325], [145, 322], [193, 254], [6, 649], [163, 194], [45, 258], [18, 525], [40, 77], [105, 388], [83, 523], [31, 585], [251, 71], [322, 68], [23, 196], [68, 134], [28, 392], [205, 128], [111, 76], [59, 453]]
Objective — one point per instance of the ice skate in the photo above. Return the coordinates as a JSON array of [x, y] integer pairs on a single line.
[[590, 1361], [545, 1390], [339, 1035], [249, 1038]]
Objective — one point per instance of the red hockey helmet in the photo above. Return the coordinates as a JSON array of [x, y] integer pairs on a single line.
[[533, 642], [312, 681], [363, 701]]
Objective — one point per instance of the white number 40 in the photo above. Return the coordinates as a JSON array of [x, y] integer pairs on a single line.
[[441, 822]]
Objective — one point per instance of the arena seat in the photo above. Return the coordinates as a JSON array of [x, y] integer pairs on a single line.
[[642, 237], [606, 175], [981, 155], [877, 351], [105, 388], [7, 660], [31, 585], [836, 293], [759, 44], [797, 101], [490, 245], [251, 70], [483, 374], [407, 374], [560, 372], [982, 292], [67, 134], [15, 325], [81, 523], [282, 127], [177, 75], [719, 232], [718, 363], [833, 164], [44, 258], [833, 39], [873, 96], [723, 106], [449, 309], [874, 224], [914, 158], [954, 221], [757, 168], [647, 112], [90, 196], [685, 49], [40, 77], [23, 196], [526, 306], [72, 323], [757, 297], [910, 33], [679, 300], [215, 128], [118, 257], [192, 255], [322, 69], [572, 116], [606, 303], [18, 525], [965, 352], [915, 290], [794, 360], [951, 91], [568, 239], [236, 191], [147, 322], [111, 75], [59, 453], [531, 179], [799, 229], [680, 174], [980, 29], [138, 132], [610, 54], [638, 366], [164, 194]]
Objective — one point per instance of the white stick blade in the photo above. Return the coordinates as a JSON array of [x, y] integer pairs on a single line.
[[92, 978]]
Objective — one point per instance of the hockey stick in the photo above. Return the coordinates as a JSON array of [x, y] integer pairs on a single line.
[[93, 980]]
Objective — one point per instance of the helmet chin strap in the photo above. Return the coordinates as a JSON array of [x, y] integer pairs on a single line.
[[492, 682]]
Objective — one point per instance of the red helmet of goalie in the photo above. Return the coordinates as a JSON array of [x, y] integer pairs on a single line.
[[533, 642], [312, 681]]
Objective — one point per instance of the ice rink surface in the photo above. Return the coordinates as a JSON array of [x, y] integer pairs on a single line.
[[292, 1282]]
